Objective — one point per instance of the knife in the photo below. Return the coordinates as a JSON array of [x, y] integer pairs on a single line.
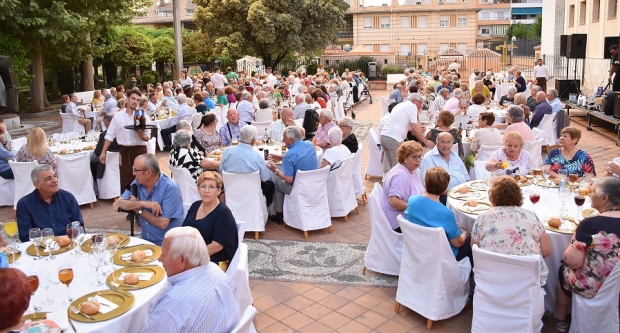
[[72, 326], [120, 292]]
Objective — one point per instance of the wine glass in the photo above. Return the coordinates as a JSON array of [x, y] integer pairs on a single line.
[[538, 172], [33, 279], [13, 245], [573, 178], [79, 239], [563, 173], [534, 197], [35, 238], [94, 260], [565, 194], [65, 275], [546, 172], [10, 227], [46, 279], [579, 201], [72, 234], [47, 236], [100, 241]]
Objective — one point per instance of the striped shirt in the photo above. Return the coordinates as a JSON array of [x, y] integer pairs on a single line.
[[198, 300]]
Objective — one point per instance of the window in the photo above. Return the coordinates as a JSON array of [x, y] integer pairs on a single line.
[[422, 21], [596, 10], [582, 13], [444, 21], [385, 22], [422, 48], [485, 15], [501, 16], [405, 21], [462, 47], [462, 21], [485, 31], [571, 16], [443, 46], [367, 22], [405, 49], [368, 47], [612, 8], [385, 47], [163, 13]]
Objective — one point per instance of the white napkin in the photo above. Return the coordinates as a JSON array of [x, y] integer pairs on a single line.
[[60, 318], [141, 276], [105, 305], [55, 247], [127, 256]]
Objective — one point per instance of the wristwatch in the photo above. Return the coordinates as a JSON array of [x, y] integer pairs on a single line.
[[139, 211]]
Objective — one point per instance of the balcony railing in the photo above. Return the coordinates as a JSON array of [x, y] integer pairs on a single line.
[[344, 34], [492, 2], [451, 2]]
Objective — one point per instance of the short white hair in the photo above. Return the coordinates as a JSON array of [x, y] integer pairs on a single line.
[[512, 90], [415, 96], [458, 92], [246, 95], [188, 241], [335, 135], [181, 98], [327, 113], [247, 134]]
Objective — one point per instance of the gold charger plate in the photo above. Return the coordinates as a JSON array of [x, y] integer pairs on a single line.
[[123, 301], [589, 212], [117, 260], [14, 257], [31, 250], [454, 194], [572, 225], [158, 275], [551, 184], [481, 208], [87, 246], [35, 316], [476, 186]]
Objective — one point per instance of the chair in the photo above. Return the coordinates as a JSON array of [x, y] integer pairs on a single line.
[[358, 183], [385, 246], [374, 166], [186, 207], [69, 123], [306, 208], [246, 200], [109, 184], [231, 106], [19, 142], [535, 150], [432, 283], [480, 170], [508, 296], [539, 135], [600, 313], [187, 184], [196, 118], [484, 153], [7, 192], [340, 191], [238, 273], [546, 125], [75, 177], [260, 129], [384, 105], [245, 323], [150, 146], [339, 112], [240, 230], [23, 183]]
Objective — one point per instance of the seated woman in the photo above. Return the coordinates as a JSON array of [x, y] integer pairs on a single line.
[[36, 149], [521, 101], [488, 81], [214, 220], [65, 101], [478, 106], [479, 87], [593, 251], [568, 157], [348, 138], [229, 91], [183, 156], [494, 229], [5, 156], [200, 104], [444, 123], [402, 181], [426, 210], [516, 117], [512, 153], [15, 297], [509, 98], [264, 112], [485, 135], [207, 135], [97, 98], [613, 167], [337, 151]]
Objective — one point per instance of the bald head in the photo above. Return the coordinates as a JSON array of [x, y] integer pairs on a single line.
[[540, 96], [233, 116]]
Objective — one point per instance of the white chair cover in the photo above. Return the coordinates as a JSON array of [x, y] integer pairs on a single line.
[[360, 89], [231, 106], [23, 183], [240, 230], [598, 314], [150, 146], [340, 191], [245, 323], [385, 246], [196, 118], [339, 112], [109, 184], [484, 152], [7, 192], [539, 135], [238, 273], [546, 125], [535, 150], [260, 129], [187, 185], [432, 283], [245, 199], [19, 142], [358, 183], [508, 295], [75, 177], [306, 208], [349, 95], [384, 105], [480, 170], [374, 166], [69, 123]]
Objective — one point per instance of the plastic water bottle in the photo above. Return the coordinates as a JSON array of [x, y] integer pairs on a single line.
[[4, 260]]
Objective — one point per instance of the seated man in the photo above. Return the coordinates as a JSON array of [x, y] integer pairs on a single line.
[[276, 129], [542, 108], [299, 156], [230, 131], [242, 158], [184, 111], [47, 206], [159, 204], [300, 106], [96, 167], [326, 121], [200, 297], [245, 108]]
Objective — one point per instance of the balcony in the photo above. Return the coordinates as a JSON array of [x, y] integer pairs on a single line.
[[493, 2], [451, 2], [344, 34]]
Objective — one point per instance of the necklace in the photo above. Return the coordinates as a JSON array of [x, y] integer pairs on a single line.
[[612, 209]]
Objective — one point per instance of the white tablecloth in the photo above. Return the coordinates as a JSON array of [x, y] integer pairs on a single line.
[[161, 124], [549, 205], [84, 276], [502, 89], [93, 115]]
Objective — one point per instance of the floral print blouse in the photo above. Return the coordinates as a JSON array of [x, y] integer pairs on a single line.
[[47, 158], [510, 230], [208, 142], [580, 163]]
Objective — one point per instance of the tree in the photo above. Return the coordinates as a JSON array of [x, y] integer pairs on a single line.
[[271, 29], [163, 53], [537, 27], [20, 58], [519, 30], [196, 46], [132, 48]]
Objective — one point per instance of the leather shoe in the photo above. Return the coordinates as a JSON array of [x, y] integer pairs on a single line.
[[276, 218]]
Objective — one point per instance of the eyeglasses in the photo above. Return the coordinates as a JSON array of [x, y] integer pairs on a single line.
[[343, 126], [136, 170], [445, 142], [416, 157], [207, 188]]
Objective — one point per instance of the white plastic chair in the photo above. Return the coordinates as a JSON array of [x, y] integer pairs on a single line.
[[480, 170], [150, 146], [69, 123], [7, 192], [339, 112], [19, 142], [374, 166], [539, 135], [535, 150], [196, 118], [385, 246], [238, 272], [260, 129], [306, 208], [340, 190], [384, 105], [109, 184], [600, 313], [231, 106], [23, 182], [432, 283], [358, 183], [245, 199], [508, 295], [546, 125], [245, 323], [240, 230], [74, 176], [484, 152], [187, 184]]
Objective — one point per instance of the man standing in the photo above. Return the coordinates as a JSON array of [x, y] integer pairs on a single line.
[[217, 79], [159, 204], [276, 129], [540, 73], [47, 206], [230, 131], [245, 108], [73, 109], [271, 79], [326, 122], [183, 112], [96, 167], [131, 142], [542, 108]]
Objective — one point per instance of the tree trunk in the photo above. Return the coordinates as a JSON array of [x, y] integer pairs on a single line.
[[55, 79], [88, 75], [37, 87], [161, 71]]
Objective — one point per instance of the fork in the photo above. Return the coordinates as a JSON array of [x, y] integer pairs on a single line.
[[76, 311]]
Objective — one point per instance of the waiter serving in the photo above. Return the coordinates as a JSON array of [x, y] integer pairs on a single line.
[[540, 74]]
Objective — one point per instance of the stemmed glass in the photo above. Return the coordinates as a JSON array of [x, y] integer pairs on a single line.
[[573, 178], [565, 194], [33, 279], [546, 172], [579, 201], [65, 275], [72, 234], [47, 236], [79, 239], [46, 279], [94, 260], [534, 197], [13, 244], [35, 238]]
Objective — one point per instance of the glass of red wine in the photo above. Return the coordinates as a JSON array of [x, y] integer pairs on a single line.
[[579, 201], [534, 197]]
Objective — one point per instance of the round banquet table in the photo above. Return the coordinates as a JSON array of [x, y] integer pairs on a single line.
[[84, 276], [548, 206]]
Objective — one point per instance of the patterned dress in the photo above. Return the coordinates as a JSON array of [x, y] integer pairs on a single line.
[[188, 159], [524, 162], [47, 158], [209, 142], [580, 163]]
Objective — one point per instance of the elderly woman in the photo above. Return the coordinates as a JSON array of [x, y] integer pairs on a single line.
[[426, 210], [214, 220], [593, 252], [513, 153], [531, 100], [479, 87], [36, 149], [444, 121], [207, 135], [485, 135], [15, 294], [509, 98], [402, 181], [568, 157], [200, 104], [488, 82], [143, 104], [326, 122], [337, 151], [264, 113], [494, 229], [478, 105], [348, 138], [521, 101], [5, 156], [516, 118], [452, 104], [183, 156], [222, 100]]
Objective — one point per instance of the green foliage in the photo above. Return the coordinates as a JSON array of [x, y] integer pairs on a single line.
[[519, 30], [133, 48], [537, 27], [196, 46], [149, 77], [391, 69], [163, 49], [20, 58]]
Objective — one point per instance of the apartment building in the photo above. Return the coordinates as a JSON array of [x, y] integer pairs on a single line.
[[495, 16], [160, 14]]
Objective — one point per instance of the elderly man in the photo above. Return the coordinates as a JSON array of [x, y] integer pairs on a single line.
[[554, 101], [242, 158], [171, 102], [452, 104], [402, 119], [440, 101], [153, 104], [443, 156], [245, 108], [435, 83], [258, 96], [217, 79], [210, 90], [159, 204], [396, 93], [110, 103], [73, 110], [200, 297], [301, 106], [184, 111], [509, 98], [299, 156], [230, 131], [445, 83], [47, 206], [96, 167], [326, 122], [540, 73], [542, 108], [276, 129]]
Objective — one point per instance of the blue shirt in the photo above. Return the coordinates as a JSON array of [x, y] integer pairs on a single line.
[[556, 106], [455, 168], [171, 103], [230, 131], [242, 158], [301, 155], [167, 193], [396, 96], [110, 104], [34, 212], [209, 103], [300, 110], [441, 87], [5, 156], [542, 109], [426, 212], [198, 300], [184, 111]]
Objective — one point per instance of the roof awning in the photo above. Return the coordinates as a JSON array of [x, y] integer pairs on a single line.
[[527, 11]]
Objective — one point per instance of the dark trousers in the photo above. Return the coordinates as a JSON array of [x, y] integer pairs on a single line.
[[268, 188], [7, 174], [542, 83], [166, 135], [127, 154], [465, 251], [615, 84]]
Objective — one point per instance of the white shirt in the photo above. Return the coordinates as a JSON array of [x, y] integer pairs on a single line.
[[540, 71], [263, 115], [455, 66], [151, 107], [271, 80], [246, 111], [218, 80], [397, 125], [475, 110], [336, 153], [185, 82], [124, 137]]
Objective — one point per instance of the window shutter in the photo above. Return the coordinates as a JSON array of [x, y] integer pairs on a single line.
[[453, 20]]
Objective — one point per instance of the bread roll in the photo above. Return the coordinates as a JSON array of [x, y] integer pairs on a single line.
[[5, 250], [113, 240], [63, 151], [63, 241], [217, 152], [90, 307], [91, 147], [554, 222], [472, 203], [463, 189], [138, 255], [131, 278], [556, 181]]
